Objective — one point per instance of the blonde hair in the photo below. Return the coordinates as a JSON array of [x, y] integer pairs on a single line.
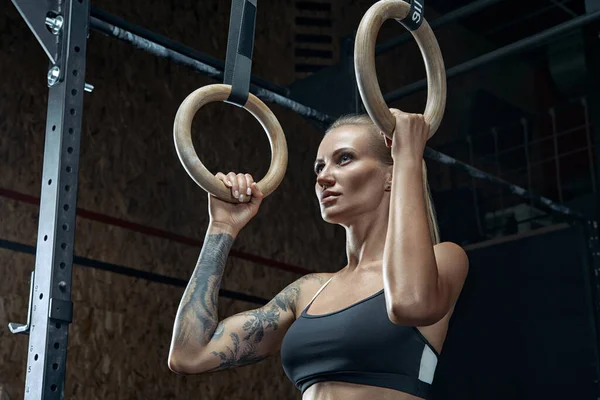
[[383, 153]]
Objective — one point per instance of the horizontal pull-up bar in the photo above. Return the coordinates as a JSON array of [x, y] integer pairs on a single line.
[[539, 201], [163, 51], [178, 47]]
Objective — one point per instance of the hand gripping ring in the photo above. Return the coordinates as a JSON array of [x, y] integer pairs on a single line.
[[366, 77], [182, 135]]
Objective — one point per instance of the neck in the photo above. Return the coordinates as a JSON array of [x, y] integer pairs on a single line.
[[365, 239]]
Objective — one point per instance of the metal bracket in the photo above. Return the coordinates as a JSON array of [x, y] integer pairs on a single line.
[[45, 21], [20, 328], [61, 310]]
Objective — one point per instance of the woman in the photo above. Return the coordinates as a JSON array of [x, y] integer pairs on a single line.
[[372, 330]]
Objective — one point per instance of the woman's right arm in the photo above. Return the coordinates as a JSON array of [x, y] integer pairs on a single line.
[[201, 343]]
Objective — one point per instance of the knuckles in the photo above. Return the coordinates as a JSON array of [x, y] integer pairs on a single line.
[[412, 121]]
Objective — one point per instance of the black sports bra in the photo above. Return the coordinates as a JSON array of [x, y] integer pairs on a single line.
[[358, 344]]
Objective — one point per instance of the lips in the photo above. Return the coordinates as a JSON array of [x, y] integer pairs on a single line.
[[329, 199], [329, 196]]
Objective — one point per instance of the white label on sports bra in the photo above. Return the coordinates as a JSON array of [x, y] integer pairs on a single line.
[[428, 364]]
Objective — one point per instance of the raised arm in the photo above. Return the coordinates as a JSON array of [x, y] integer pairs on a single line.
[[201, 343]]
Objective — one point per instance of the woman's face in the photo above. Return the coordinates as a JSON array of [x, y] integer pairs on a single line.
[[347, 168]]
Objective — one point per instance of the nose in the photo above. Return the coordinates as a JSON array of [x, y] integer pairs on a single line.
[[324, 179]]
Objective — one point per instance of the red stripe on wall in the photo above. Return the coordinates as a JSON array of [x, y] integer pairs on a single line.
[[147, 230]]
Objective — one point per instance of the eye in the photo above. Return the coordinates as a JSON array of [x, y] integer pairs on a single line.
[[344, 157]]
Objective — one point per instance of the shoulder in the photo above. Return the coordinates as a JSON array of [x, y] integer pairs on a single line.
[[299, 292], [317, 278], [309, 284]]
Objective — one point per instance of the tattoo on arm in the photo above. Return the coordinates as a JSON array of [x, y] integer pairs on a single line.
[[218, 334], [258, 322], [238, 354], [197, 317]]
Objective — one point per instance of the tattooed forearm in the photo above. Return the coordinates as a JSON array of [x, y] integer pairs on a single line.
[[197, 316]]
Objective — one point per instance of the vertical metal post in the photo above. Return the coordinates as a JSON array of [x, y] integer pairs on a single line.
[[474, 187], [556, 156], [51, 311], [591, 275], [588, 136]]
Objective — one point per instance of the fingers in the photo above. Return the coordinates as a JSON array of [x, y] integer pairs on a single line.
[[223, 178], [401, 114], [257, 194], [396, 112], [242, 186], [410, 121], [249, 182], [233, 184]]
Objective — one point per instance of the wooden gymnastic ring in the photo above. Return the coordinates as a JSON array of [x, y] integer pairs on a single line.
[[182, 133], [366, 76]]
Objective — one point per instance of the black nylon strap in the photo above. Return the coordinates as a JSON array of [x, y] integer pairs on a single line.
[[240, 43], [414, 18]]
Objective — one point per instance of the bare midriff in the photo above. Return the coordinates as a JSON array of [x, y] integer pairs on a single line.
[[352, 391]]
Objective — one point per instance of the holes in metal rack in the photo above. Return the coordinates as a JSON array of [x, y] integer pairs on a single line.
[[66, 207], [56, 345], [72, 111], [49, 181], [63, 246], [70, 150], [35, 357], [53, 387], [53, 128], [58, 325], [41, 296], [67, 188], [71, 131], [45, 237], [75, 72], [74, 92], [62, 265], [65, 227], [77, 49], [69, 168], [55, 366]]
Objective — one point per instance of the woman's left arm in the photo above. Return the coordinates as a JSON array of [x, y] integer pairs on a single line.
[[422, 281]]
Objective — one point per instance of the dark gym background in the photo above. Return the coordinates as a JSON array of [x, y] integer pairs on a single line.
[[524, 327]]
